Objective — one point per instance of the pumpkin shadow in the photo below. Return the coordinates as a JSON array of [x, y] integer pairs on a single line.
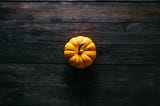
[[80, 84]]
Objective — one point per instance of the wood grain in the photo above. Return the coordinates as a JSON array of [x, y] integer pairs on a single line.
[[52, 84], [117, 42], [33, 70], [101, 33], [106, 53], [80, 12]]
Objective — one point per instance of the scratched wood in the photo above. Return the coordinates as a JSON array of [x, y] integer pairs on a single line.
[[110, 32], [106, 53], [80, 11], [123, 43], [33, 70], [49, 84]]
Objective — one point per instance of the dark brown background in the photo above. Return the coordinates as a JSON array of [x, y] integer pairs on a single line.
[[33, 70]]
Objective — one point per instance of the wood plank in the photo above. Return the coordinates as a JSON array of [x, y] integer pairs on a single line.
[[101, 33], [106, 53], [80, 12], [96, 27], [99, 85]]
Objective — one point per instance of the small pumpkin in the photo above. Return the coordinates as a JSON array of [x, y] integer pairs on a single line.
[[80, 51]]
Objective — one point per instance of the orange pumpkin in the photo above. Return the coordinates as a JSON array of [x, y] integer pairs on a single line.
[[80, 51]]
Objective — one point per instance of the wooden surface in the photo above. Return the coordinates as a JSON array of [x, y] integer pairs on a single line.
[[33, 70]]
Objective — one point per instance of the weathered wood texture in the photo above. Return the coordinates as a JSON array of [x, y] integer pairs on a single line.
[[125, 33], [107, 54], [33, 70], [60, 85], [80, 11]]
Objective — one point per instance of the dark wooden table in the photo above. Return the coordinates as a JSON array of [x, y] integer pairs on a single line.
[[33, 70]]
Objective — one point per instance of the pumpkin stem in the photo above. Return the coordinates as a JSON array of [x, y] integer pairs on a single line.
[[79, 48]]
